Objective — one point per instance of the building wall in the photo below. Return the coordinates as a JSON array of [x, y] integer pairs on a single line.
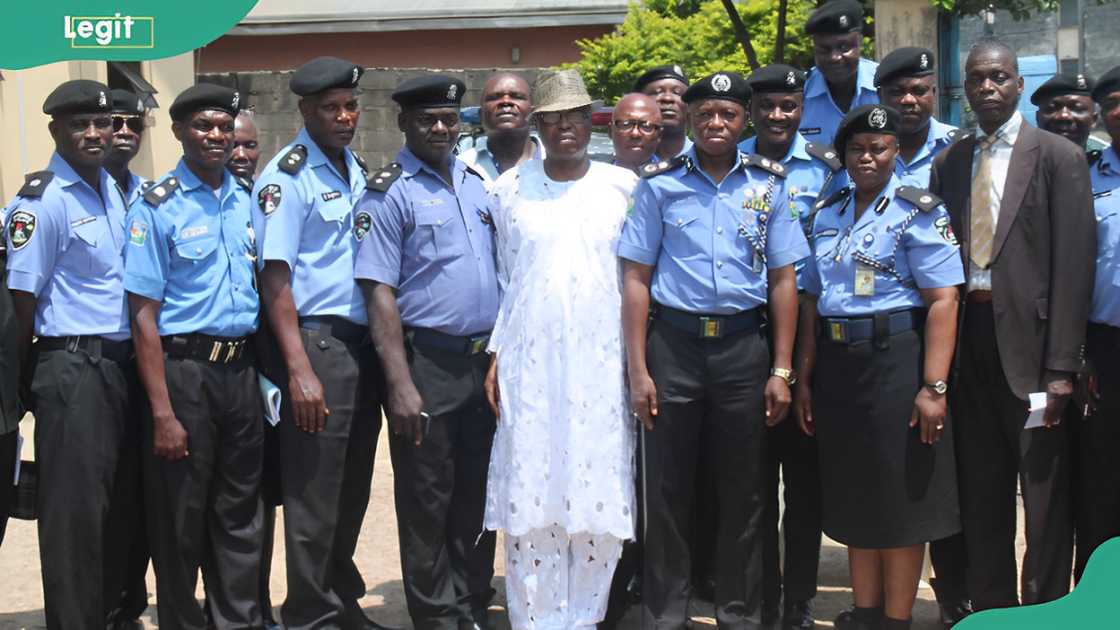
[[901, 23], [1101, 31]]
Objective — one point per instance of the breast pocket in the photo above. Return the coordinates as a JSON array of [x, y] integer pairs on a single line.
[[877, 249], [192, 257], [335, 212], [683, 233], [436, 232], [93, 247]]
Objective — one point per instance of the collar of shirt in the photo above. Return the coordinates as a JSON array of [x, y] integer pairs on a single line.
[[1007, 133], [316, 158], [66, 176], [796, 150], [692, 165], [188, 181], [538, 149], [937, 134], [411, 166], [816, 84]]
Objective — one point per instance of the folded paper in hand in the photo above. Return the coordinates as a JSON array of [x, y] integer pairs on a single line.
[[271, 396], [1038, 408]]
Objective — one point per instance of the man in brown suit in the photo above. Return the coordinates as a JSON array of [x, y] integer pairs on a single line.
[[1021, 200]]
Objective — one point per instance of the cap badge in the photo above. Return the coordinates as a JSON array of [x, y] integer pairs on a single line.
[[354, 76], [721, 83], [101, 100], [678, 70], [923, 62], [452, 91], [843, 21], [791, 79], [236, 100], [139, 106], [1081, 82], [877, 118]]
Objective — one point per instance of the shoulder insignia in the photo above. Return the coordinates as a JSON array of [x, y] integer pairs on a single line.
[[664, 166], [361, 161], [1093, 156], [765, 164], [383, 179], [953, 134], [161, 192], [245, 183], [146, 184], [825, 154], [35, 183], [923, 199], [293, 160], [833, 198]]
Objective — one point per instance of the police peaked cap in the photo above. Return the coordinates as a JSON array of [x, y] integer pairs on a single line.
[[80, 96], [430, 90], [776, 77], [125, 102], [910, 61], [325, 73], [729, 86], [866, 119], [836, 17], [1064, 85], [1107, 84], [657, 73], [205, 96]]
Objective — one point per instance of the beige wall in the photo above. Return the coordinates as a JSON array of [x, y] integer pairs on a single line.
[[27, 144], [901, 23]]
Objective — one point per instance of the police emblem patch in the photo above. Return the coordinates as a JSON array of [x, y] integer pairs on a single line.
[[721, 83], [945, 229], [362, 224], [21, 226], [877, 118], [268, 199], [138, 233]]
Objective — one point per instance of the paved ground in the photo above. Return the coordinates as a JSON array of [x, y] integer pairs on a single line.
[[21, 597]]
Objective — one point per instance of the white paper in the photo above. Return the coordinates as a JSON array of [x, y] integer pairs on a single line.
[[19, 451], [271, 396], [1038, 408]]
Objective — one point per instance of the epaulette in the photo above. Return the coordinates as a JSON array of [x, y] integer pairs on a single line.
[[293, 160], [361, 161], [383, 179], [245, 183], [162, 191], [923, 199], [833, 198], [470, 169], [146, 184], [953, 134], [664, 166], [1093, 156], [765, 164], [35, 183], [825, 154]]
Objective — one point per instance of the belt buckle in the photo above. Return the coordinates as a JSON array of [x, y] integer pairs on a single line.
[[710, 327], [231, 352], [477, 345], [838, 332], [215, 351]]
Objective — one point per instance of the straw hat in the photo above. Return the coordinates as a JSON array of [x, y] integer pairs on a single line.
[[560, 90]]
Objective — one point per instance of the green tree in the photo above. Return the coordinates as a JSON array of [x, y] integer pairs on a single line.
[[1019, 9]]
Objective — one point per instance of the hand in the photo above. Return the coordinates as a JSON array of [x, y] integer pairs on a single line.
[[1059, 389], [490, 385], [643, 398], [1087, 392], [169, 437], [929, 410], [777, 400], [308, 404], [406, 412], [803, 407]]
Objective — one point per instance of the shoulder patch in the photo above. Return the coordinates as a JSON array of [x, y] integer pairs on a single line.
[[833, 198], [245, 183], [923, 199], [361, 161], [664, 166], [21, 226], [293, 160], [825, 154], [765, 164], [383, 179], [1093, 156], [35, 183], [160, 192]]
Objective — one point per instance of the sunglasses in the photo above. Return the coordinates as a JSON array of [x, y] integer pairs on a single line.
[[135, 123]]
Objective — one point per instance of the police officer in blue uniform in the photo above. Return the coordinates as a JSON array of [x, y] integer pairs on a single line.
[[710, 244], [303, 211], [1065, 107], [66, 230], [128, 132], [192, 296], [811, 172], [11, 408], [840, 79], [424, 229], [883, 278], [665, 84]]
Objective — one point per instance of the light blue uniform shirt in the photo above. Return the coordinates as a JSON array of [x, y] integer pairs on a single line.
[[653, 159], [307, 221], [821, 116], [1105, 177], [907, 249], [916, 173], [137, 186], [195, 252], [434, 244], [64, 248], [706, 241]]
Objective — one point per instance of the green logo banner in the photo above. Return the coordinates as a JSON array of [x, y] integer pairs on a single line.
[[121, 30]]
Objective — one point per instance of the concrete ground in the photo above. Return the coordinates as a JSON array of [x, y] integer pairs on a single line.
[[21, 597]]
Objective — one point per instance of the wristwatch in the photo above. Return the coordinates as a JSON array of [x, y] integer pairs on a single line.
[[937, 387], [786, 374]]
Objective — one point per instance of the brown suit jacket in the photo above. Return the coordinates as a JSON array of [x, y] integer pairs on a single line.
[[1044, 255]]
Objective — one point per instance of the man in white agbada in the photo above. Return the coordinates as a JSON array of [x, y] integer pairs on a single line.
[[561, 480]]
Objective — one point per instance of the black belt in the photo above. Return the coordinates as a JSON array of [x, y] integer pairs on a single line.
[[709, 326], [97, 347], [340, 328], [202, 347], [877, 327], [468, 345]]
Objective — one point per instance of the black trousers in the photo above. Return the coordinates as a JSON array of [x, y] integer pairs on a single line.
[[995, 452], [711, 387], [84, 406], [325, 481], [1098, 443], [134, 594], [794, 454], [7, 467], [204, 510]]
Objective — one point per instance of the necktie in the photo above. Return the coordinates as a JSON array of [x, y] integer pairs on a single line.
[[982, 225]]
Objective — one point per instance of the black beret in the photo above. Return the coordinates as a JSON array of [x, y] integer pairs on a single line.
[[1107, 84], [836, 17], [909, 61], [776, 77], [1063, 85], [864, 119], [126, 102], [660, 72], [80, 96], [430, 90], [729, 86], [205, 96], [324, 73]]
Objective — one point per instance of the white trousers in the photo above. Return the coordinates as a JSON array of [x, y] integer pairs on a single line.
[[559, 581]]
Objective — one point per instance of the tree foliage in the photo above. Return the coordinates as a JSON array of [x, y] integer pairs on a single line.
[[1019, 9]]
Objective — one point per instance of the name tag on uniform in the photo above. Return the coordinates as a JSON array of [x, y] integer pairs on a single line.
[[334, 194], [82, 221], [435, 201], [810, 131], [194, 231], [865, 281]]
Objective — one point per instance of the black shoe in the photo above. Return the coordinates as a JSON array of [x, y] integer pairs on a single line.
[[126, 624], [798, 616], [354, 619], [954, 612], [769, 613], [859, 619]]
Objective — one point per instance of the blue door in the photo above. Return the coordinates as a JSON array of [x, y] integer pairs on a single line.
[[1035, 70]]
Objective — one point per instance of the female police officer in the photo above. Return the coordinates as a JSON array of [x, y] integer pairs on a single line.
[[883, 278]]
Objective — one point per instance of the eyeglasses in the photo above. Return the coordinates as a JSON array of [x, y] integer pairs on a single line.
[[135, 123], [571, 116], [644, 126]]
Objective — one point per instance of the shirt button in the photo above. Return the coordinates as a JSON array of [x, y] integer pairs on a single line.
[[719, 230], [719, 265]]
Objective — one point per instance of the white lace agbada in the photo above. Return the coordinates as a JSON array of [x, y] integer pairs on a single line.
[[564, 449]]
